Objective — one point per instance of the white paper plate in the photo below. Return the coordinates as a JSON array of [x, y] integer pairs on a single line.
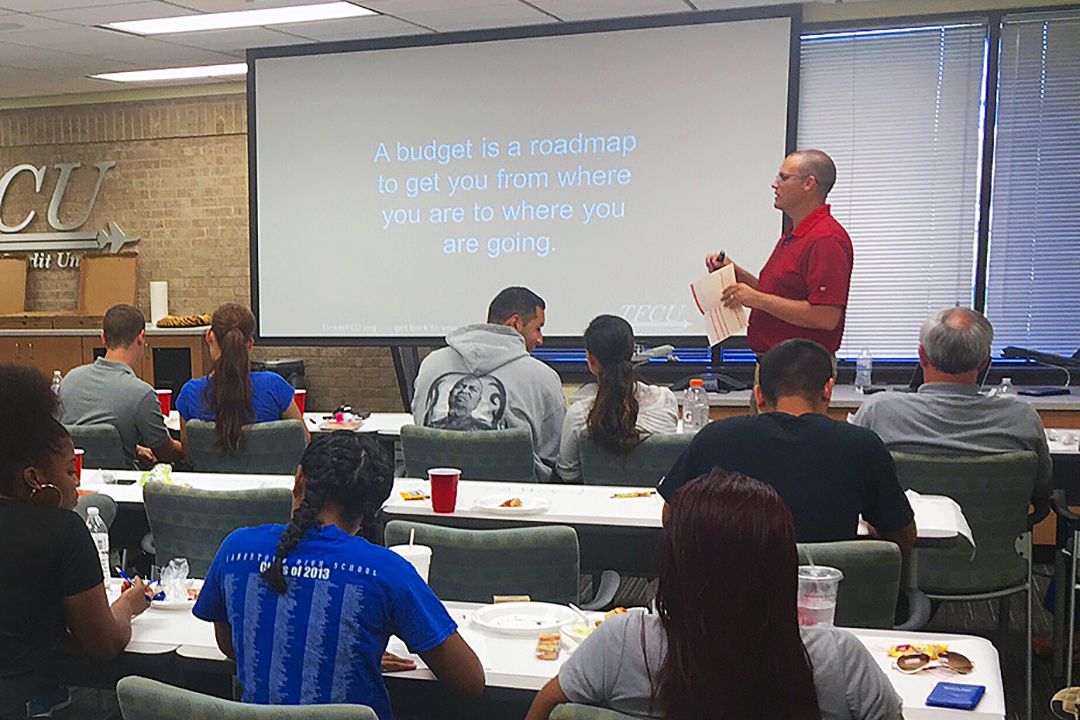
[[529, 505], [522, 618], [170, 604]]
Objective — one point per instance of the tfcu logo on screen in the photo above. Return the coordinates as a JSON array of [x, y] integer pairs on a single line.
[[55, 249], [657, 318]]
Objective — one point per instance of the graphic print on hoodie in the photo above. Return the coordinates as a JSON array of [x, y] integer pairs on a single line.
[[486, 380]]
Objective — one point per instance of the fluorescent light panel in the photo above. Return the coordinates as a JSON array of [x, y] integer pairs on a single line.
[[181, 73], [242, 18]]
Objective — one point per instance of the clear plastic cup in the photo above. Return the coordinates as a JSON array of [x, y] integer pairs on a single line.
[[419, 556], [817, 594]]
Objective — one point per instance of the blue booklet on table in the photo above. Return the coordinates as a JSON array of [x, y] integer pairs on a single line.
[[955, 695]]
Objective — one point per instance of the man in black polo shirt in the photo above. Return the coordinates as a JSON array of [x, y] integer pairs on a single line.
[[828, 472]]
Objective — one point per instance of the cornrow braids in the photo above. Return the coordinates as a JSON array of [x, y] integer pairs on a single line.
[[343, 469]]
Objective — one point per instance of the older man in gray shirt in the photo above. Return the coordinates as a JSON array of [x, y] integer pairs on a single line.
[[108, 391], [948, 416]]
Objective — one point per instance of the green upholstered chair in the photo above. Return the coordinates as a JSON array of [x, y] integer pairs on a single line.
[[868, 592], [271, 448], [191, 523], [143, 699], [574, 711], [479, 454], [101, 446], [994, 492], [643, 467], [474, 565]]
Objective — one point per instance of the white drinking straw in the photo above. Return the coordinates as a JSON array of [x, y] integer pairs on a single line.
[[412, 536]]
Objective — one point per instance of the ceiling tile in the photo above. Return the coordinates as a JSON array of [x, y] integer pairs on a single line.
[[573, 10], [29, 23], [216, 6], [55, 61], [145, 53], [235, 41], [465, 17], [35, 6], [145, 10], [353, 28]]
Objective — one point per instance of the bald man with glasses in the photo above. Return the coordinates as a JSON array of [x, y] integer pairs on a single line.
[[802, 291]]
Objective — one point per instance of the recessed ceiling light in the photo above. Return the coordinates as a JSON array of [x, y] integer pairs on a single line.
[[197, 72], [242, 18]]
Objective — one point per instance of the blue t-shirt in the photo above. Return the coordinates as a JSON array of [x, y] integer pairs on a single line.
[[271, 395], [323, 640]]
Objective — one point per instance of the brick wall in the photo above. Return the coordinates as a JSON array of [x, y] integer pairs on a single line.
[[180, 184]]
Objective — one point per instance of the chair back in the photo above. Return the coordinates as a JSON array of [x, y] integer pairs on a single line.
[[191, 523], [143, 699], [994, 492], [272, 448], [642, 467], [479, 454], [106, 506], [574, 711], [473, 565], [101, 446], [867, 594]]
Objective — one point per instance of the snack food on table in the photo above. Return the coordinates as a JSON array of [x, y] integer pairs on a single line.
[[639, 494], [930, 649], [181, 321], [413, 495], [512, 502], [547, 646]]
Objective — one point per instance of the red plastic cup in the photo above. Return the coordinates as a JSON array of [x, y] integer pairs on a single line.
[[165, 398], [444, 483], [300, 397], [78, 462]]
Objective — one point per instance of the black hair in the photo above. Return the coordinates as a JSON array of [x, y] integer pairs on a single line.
[[514, 301], [795, 368], [121, 325], [29, 432], [344, 469], [612, 420]]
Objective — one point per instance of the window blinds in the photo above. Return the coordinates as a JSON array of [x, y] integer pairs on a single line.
[[1033, 285], [899, 112]]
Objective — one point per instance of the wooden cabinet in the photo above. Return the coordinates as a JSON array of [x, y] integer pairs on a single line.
[[170, 359], [43, 352]]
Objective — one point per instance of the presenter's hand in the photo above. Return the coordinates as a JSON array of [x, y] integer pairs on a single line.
[[740, 295], [396, 663], [716, 261]]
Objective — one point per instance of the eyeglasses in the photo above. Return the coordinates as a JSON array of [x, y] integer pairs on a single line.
[[784, 177], [915, 662]]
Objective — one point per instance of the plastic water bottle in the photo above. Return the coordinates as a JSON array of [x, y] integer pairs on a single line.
[[1005, 389], [57, 378], [695, 409], [864, 368], [99, 531]]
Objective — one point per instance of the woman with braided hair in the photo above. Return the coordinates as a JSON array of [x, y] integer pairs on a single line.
[[306, 609]]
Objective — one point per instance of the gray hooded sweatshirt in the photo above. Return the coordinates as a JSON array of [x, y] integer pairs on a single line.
[[485, 380]]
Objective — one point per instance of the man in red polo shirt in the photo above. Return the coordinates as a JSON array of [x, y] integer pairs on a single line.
[[802, 291]]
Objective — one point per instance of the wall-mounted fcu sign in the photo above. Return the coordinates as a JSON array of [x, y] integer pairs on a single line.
[[56, 249]]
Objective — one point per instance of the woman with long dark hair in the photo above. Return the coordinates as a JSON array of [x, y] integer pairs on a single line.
[[306, 609], [726, 641], [622, 411], [52, 593], [232, 396]]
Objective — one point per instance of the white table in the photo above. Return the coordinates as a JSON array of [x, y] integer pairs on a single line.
[[133, 493], [511, 663], [389, 424], [1063, 441]]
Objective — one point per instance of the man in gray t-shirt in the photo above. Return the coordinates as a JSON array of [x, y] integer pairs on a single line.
[[948, 416], [108, 391]]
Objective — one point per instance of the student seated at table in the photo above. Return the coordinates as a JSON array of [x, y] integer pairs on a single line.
[[828, 472], [108, 391], [619, 412], [232, 396], [52, 595], [306, 609], [726, 640]]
